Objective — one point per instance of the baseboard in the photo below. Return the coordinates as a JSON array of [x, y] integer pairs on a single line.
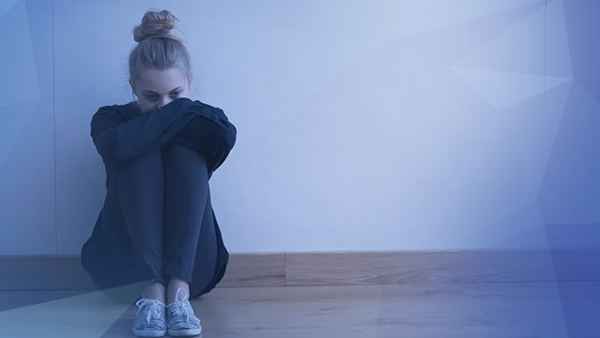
[[64, 272]]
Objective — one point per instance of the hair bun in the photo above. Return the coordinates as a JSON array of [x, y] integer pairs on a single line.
[[155, 24]]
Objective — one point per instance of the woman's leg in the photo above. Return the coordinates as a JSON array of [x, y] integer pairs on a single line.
[[123, 254], [140, 188], [189, 244], [206, 253]]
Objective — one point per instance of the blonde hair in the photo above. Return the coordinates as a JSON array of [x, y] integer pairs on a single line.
[[157, 48]]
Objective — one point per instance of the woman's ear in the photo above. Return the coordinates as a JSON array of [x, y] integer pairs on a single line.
[[132, 86]]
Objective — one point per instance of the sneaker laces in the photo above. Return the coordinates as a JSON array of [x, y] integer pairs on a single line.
[[182, 307], [153, 310]]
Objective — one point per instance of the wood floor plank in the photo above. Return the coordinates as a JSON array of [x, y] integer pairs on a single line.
[[456, 310], [410, 267], [64, 272], [255, 270], [365, 311]]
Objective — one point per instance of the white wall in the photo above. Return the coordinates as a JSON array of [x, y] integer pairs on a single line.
[[389, 125]]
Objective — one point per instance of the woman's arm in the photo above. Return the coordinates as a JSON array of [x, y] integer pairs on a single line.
[[209, 133], [118, 140], [209, 130]]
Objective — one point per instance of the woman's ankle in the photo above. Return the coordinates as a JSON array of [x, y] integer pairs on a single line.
[[173, 286], [156, 291]]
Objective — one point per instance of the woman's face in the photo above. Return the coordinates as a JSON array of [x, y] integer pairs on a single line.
[[156, 88]]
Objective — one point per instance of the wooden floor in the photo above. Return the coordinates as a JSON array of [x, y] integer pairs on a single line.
[[466, 310]]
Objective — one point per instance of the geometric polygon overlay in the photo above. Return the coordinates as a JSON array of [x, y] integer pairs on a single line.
[[88, 315], [477, 80], [14, 119], [516, 49], [380, 151], [503, 89], [39, 17], [510, 67], [6, 5], [373, 210], [18, 63], [27, 185], [575, 254], [570, 193], [569, 196], [80, 179], [89, 73], [27, 209]]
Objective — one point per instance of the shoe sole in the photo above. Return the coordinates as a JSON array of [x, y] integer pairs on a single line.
[[186, 333], [149, 333]]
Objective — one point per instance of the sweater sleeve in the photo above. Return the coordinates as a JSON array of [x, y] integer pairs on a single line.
[[209, 130], [209, 133], [118, 140]]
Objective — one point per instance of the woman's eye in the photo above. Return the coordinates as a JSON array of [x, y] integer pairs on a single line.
[[153, 97]]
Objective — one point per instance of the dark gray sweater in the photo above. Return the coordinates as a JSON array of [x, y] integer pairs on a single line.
[[121, 133]]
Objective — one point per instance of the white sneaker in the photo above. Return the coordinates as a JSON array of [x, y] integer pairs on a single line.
[[150, 319], [181, 320]]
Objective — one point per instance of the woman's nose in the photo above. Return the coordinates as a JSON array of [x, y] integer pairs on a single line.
[[163, 103]]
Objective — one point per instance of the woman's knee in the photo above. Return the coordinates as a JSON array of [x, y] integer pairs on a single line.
[[177, 149], [146, 161], [186, 159]]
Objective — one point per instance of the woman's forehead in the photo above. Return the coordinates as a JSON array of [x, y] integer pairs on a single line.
[[162, 79]]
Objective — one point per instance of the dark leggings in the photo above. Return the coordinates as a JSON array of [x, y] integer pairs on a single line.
[[163, 198]]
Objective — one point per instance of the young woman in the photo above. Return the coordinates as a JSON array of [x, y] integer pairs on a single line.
[[156, 239]]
